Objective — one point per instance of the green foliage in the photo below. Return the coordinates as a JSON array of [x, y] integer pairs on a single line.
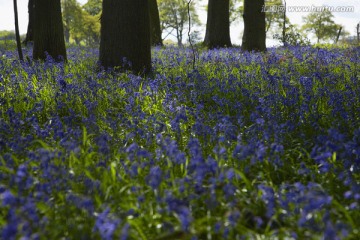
[[93, 7], [88, 30], [321, 24]]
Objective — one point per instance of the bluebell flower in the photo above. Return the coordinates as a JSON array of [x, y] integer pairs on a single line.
[[155, 177], [185, 217], [330, 232], [8, 198], [10, 230], [125, 231], [106, 225], [268, 196], [217, 227], [230, 174]]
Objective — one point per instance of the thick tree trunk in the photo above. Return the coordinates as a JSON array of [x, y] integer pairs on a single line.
[[48, 30], [125, 35], [254, 37], [218, 24], [29, 33], [18, 42], [155, 31]]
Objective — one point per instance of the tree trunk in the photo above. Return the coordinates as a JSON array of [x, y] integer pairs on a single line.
[[18, 42], [155, 31], [67, 34], [29, 33], [125, 35], [48, 30], [254, 37], [218, 24], [284, 25], [338, 35]]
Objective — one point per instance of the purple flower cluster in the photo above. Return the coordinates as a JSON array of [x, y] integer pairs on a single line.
[[244, 141]]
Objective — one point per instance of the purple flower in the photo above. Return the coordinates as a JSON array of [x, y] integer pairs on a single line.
[[268, 197], [8, 198], [155, 177], [184, 216], [125, 232], [106, 225], [330, 232]]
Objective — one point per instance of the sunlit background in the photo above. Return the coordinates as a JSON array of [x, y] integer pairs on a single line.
[[348, 19]]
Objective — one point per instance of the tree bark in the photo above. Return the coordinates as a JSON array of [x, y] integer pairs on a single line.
[[218, 24], [48, 30], [18, 42], [155, 31], [254, 37], [29, 33], [125, 35]]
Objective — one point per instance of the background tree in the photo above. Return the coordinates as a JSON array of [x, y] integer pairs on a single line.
[[321, 24], [48, 30], [235, 7], [72, 17], [88, 31], [292, 36], [125, 35], [155, 29], [29, 33], [218, 24], [93, 7], [174, 18], [274, 18], [80, 25], [254, 37]]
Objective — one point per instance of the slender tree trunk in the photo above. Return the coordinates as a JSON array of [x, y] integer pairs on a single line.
[[254, 37], [218, 24], [338, 35], [29, 33], [48, 30], [18, 42], [67, 34], [358, 32], [155, 31], [284, 25], [125, 35]]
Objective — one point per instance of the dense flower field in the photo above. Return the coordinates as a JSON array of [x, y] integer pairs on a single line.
[[246, 146]]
